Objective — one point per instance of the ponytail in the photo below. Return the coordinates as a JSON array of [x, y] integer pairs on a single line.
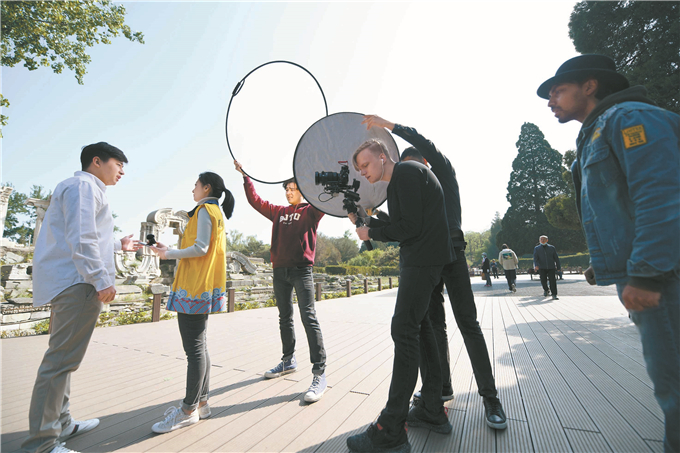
[[217, 188]]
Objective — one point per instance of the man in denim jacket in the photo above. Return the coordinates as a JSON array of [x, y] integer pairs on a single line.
[[627, 180]]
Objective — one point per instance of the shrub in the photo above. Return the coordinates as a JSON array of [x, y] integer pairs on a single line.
[[336, 270], [42, 327]]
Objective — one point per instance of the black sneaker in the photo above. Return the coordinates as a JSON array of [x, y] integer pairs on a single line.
[[495, 417], [556, 298], [545, 293], [419, 417], [374, 439]]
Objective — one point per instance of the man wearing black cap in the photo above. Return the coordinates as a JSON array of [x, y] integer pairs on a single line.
[[627, 180]]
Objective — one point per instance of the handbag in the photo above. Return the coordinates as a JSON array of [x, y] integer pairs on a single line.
[[483, 275]]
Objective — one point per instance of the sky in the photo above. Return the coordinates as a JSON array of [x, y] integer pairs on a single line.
[[464, 74]]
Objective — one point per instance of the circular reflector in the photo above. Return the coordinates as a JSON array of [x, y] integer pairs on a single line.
[[331, 140], [270, 108]]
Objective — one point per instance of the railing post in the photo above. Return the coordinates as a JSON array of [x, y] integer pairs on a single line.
[[365, 286], [231, 300], [348, 284], [379, 283], [318, 291], [390, 282], [156, 308]]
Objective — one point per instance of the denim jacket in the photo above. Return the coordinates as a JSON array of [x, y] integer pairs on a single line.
[[627, 180]]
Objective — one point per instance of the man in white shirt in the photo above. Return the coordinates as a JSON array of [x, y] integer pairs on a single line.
[[73, 269]]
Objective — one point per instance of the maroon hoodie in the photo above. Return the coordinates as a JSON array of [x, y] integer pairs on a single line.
[[293, 229]]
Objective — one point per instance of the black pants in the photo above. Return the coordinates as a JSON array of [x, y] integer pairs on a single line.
[[511, 277], [548, 274], [411, 327], [457, 280], [299, 278], [193, 329]]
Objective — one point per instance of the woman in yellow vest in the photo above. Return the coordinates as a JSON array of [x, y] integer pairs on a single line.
[[199, 289]]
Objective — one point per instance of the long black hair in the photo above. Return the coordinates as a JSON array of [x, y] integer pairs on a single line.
[[217, 188]]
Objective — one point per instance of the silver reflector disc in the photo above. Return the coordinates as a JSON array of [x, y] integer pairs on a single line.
[[332, 139]]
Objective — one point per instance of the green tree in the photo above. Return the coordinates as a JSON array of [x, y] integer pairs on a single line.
[[248, 245], [477, 243], [57, 34], [389, 257], [496, 226], [346, 246], [536, 177], [641, 37], [561, 209], [326, 252], [16, 229], [16, 207]]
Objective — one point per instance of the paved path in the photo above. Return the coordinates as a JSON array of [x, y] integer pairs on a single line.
[[570, 374]]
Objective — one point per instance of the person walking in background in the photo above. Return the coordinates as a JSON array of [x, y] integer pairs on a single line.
[[486, 269], [293, 246], [494, 268], [509, 261], [546, 262], [198, 290], [74, 271], [627, 180]]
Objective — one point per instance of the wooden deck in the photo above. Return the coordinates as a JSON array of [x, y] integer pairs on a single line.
[[570, 374]]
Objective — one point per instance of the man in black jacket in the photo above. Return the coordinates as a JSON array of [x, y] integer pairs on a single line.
[[418, 222], [456, 278], [546, 262]]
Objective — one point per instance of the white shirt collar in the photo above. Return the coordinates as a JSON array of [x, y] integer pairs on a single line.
[[98, 181]]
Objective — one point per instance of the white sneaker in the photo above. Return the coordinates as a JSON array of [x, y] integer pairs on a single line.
[[175, 418], [204, 411], [78, 427], [61, 448], [317, 389]]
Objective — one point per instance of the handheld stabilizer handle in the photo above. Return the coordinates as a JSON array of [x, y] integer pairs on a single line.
[[360, 223], [351, 207]]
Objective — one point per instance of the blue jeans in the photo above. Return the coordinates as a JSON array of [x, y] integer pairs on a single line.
[[659, 329], [299, 278]]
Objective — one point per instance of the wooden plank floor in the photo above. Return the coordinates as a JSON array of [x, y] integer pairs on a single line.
[[570, 374]]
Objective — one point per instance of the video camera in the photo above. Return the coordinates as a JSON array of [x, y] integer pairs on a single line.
[[335, 183]]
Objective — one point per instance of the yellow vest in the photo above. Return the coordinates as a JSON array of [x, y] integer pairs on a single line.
[[200, 283]]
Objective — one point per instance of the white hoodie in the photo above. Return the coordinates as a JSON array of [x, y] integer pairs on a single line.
[[508, 259]]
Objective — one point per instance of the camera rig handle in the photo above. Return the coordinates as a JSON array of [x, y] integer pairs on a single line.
[[351, 207]]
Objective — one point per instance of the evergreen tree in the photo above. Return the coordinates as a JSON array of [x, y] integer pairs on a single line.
[[536, 177], [561, 210], [347, 246], [496, 226], [641, 37]]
